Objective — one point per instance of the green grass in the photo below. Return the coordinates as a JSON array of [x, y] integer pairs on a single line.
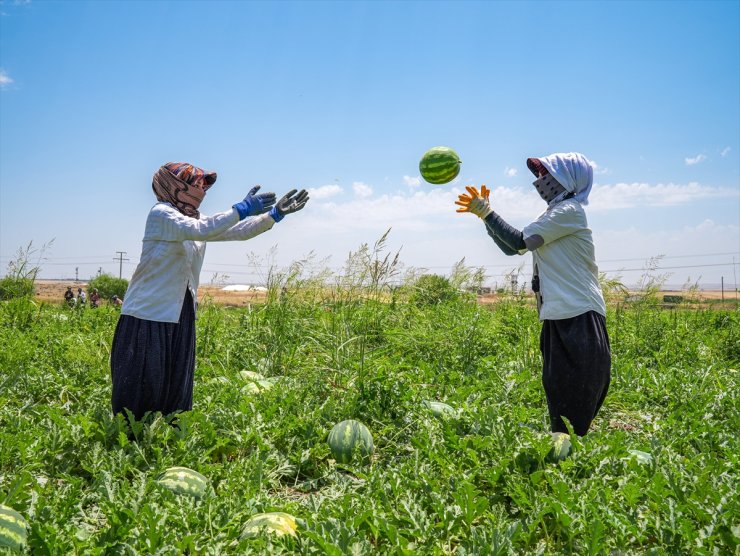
[[480, 484]]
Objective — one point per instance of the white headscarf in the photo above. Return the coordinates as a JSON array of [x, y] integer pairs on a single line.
[[573, 171]]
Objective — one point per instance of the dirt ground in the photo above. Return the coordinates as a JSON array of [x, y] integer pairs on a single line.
[[53, 291]]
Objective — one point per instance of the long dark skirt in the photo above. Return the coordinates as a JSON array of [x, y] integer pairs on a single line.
[[576, 369], [153, 363]]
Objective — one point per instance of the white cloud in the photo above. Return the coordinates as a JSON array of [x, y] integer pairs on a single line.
[[598, 170], [725, 152], [626, 195], [510, 172], [325, 191], [5, 79], [426, 210], [695, 160], [362, 189], [412, 181], [421, 210], [431, 234]]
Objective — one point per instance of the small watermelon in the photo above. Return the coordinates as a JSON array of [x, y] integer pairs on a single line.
[[182, 480], [560, 447], [643, 458], [278, 523], [441, 410], [251, 375], [255, 386], [12, 529], [439, 165], [350, 436]]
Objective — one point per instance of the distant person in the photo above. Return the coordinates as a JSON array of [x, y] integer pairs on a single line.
[[153, 352], [116, 301], [81, 297], [574, 341], [94, 298], [69, 296]]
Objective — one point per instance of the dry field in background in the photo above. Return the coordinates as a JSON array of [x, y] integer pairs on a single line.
[[53, 291]]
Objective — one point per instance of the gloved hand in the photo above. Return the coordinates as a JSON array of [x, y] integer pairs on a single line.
[[475, 202], [254, 203], [289, 203]]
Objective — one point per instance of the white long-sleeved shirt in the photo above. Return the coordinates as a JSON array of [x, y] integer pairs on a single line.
[[566, 262], [172, 256]]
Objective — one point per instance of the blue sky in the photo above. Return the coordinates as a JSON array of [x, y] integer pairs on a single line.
[[343, 98]]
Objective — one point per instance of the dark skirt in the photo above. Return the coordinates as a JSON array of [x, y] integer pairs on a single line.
[[576, 369], [153, 363]]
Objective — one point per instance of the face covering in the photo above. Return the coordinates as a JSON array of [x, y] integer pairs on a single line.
[[572, 170], [549, 188]]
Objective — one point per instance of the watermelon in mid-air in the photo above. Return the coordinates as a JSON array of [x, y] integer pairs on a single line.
[[13, 526], [182, 480], [350, 437], [439, 165]]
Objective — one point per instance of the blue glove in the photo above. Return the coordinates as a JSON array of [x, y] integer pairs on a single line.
[[289, 203], [254, 203]]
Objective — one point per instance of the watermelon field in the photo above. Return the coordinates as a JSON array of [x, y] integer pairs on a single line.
[[658, 474]]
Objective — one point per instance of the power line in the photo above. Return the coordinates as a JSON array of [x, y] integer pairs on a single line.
[[120, 261], [670, 267], [103, 257], [258, 272], [263, 268], [671, 257]]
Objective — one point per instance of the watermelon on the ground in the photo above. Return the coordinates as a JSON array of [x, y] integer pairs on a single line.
[[251, 375], [560, 447], [441, 410], [255, 386], [643, 458], [350, 437], [278, 523], [439, 165], [13, 526], [182, 480]]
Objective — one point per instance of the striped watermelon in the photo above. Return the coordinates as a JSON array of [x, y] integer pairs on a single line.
[[12, 529], [251, 375], [439, 165], [182, 480], [348, 437], [560, 447], [278, 523], [643, 458], [441, 410], [259, 386]]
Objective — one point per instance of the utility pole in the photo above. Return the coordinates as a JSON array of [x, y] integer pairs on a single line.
[[120, 260]]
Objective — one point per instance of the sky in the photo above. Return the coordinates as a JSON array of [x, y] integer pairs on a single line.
[[343, 98]]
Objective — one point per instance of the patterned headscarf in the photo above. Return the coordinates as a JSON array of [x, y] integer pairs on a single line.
[[536, 167], [183, 186]]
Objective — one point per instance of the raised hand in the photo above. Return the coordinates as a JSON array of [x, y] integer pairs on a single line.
[[255, 203], [289, 203], [475, 202]]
